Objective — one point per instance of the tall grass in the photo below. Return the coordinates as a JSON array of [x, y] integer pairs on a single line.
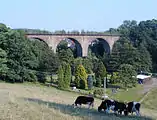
[[30, 102]]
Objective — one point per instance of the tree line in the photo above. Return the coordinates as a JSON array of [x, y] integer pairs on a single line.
[[22, 59], [111, 31]]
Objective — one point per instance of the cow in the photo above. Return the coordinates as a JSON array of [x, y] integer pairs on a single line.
[[113, 105], [84, 100], [133, 107], [105, 105]]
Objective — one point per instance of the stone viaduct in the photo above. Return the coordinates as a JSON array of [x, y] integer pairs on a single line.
[[84, 40]]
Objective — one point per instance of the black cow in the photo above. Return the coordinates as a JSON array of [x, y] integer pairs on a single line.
[[113, 105], [84, 100], [133, 107], [105, 105]]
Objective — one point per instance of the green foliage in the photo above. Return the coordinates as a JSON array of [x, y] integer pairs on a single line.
[[100, 71], [87, 63], [143, 37], [41, 76], [47, 60], [3, 64], [125, 53], [66, 55], [114, 78], [98, 81], [99, 92], [61, 77], [75, 64], [67, 75], [20, 57], [127, 76], [33, 76], [64, 76], [81, 77]]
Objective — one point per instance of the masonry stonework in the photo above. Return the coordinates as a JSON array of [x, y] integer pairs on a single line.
[[85, 40]]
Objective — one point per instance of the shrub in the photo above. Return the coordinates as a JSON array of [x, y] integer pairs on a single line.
[[41, 77], [99, 92], [98, 82], [30, 76]]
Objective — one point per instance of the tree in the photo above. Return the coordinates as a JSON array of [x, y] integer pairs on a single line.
[[61, 83], [66, 55], [48, 61], [20, 57], [81, 77], [3, 64], [98, 81], [67, 75], [101, 71], [144, 62], [87, 63], [127, 76], [114, 78]]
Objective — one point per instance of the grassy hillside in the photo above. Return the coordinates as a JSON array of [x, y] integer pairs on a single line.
[[151, 100], [31, 102]]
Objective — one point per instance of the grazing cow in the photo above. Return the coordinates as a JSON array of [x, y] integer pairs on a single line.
[[133, 107], [105, 105], [120, 107], [115, 106], [84, 100]]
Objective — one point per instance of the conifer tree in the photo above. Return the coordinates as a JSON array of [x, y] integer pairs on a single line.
[[81, 77]]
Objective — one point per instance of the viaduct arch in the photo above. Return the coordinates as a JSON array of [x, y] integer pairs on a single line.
[[83, 39]]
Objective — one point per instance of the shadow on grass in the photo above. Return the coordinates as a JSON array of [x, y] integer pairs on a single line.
[[82, 112]]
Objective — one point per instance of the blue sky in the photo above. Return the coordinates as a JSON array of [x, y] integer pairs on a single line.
[[96, 15]]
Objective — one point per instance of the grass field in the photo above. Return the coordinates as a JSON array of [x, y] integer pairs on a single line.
[[151, 100], [35, 102]]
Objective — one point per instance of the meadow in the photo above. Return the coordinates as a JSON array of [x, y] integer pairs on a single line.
[[36, 102]]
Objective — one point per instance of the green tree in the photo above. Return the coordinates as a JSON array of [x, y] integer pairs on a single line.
[[66, 55], [127, 76], [67, 75], [81, 77], [87, 63], [101, 71], [20, 57], [98, 81], [61, 83], [3, 64], [114, 78]]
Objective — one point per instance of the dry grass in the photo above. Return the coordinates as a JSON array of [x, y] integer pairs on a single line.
[[31, 102], [151, 100]]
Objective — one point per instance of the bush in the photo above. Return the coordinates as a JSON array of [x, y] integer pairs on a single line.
[[30, 76], [99, 92], [98, 82], [41, 77]]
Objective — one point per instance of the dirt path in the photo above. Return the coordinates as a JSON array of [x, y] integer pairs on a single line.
[[149, 85]]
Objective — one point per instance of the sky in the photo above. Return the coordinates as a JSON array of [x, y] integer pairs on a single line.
[[92, 15]]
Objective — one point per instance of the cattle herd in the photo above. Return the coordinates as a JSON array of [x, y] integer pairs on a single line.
[[108, 105]]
